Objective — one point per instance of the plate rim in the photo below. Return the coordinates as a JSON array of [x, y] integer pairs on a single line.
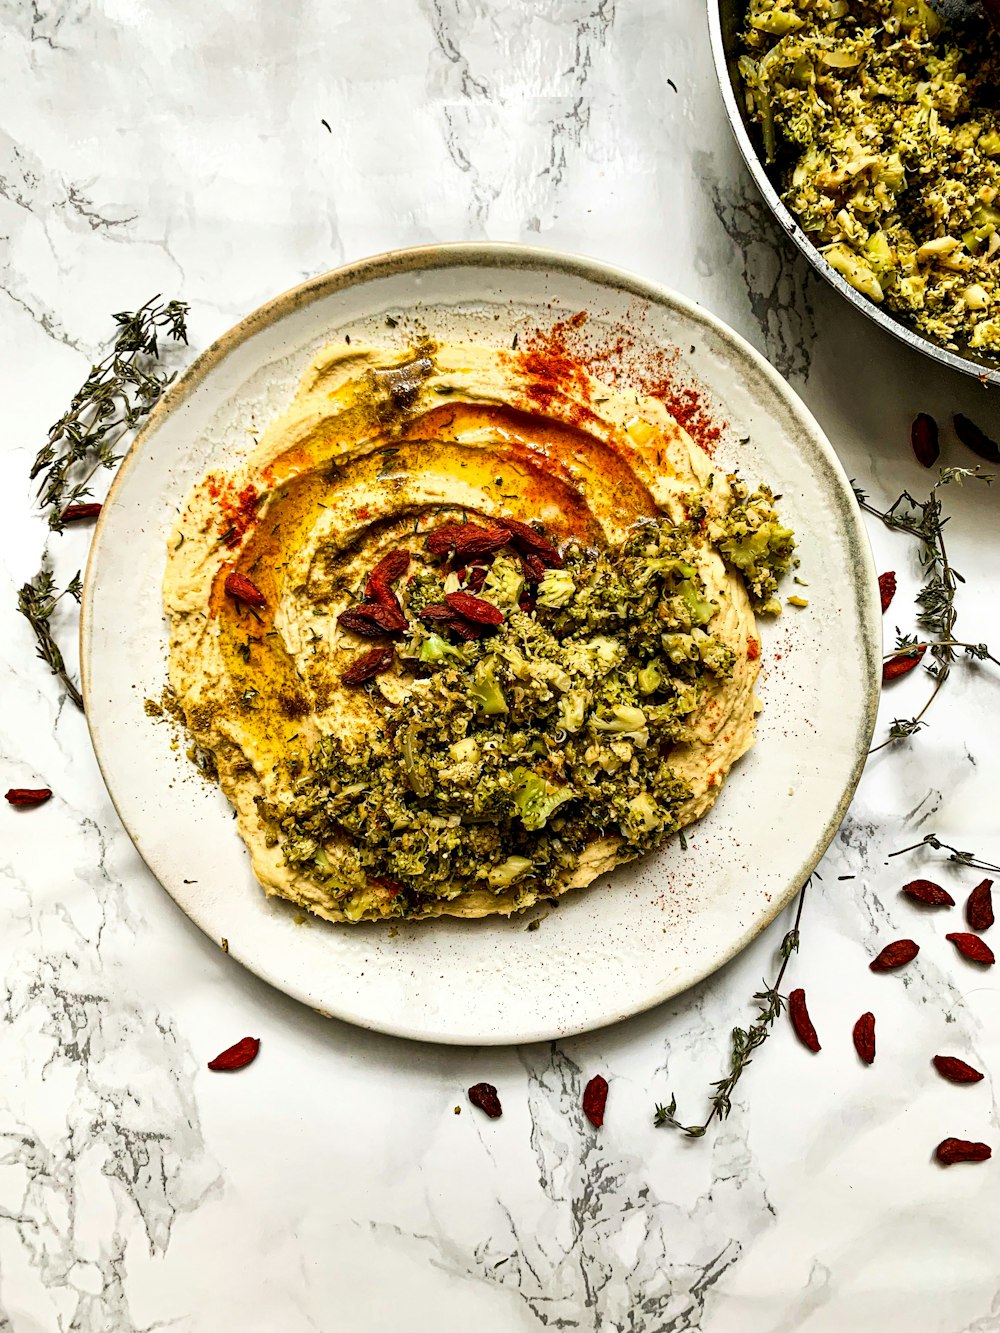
[[518, 256]]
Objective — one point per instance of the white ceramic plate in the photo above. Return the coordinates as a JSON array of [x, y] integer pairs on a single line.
[[635, 937]]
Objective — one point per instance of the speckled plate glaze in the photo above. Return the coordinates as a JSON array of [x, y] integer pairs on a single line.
[[632, 939]]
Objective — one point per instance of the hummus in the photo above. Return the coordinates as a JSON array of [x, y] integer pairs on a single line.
[[408, 724]]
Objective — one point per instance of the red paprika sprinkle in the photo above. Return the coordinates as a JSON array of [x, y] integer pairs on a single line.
[[27, 796], [950, 1151], [595, 1095], [484, 1095], [972, 947], [753, 649], [979, 908], [238, 1056], [894, 955], [902, 662], [926, 891], [955, 1070], [801, 1021], [886, 589], [864, 1037]]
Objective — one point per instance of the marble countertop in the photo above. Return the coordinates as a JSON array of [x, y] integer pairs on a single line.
[[222, 153]]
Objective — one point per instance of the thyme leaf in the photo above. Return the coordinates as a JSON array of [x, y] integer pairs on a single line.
[[744, 1041], [36, 601], [925, 521], [961, 858], [115, 398]]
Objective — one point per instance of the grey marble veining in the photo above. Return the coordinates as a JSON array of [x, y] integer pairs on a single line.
[[221, 153]]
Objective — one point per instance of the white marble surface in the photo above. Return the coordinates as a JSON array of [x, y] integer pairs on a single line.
[[180, 148]]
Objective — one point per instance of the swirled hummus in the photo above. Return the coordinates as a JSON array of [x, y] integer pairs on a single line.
[[461, 634]]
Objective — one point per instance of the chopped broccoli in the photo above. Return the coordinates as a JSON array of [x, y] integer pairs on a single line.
[[509, 753], [485, 689], [504, 582], [886, 129], [504, 874], [753, 540], [535, 798], [557, 588]]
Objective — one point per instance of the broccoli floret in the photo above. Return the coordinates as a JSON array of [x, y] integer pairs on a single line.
[[485, 689], [753, 540], [436, 649], [504, 583], [557, 588], [536, 798], [421, 589]]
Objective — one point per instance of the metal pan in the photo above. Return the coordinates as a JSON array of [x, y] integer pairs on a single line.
[[725, 20]]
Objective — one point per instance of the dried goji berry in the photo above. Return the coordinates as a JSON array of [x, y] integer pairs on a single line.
[[474, 608], [369, 664], [28, 795], [902, 662], [525, 539], [437, 611], [532, 567], [484, 1095], [467, 540], [238, 1056], [391, 567], [979, 908], [475, 541], [74, 513], [369, 620], [864, 1037], [975, 439], [443, 615], [465, 629], [801, 1021], [595, 1095], [443, 538], [955, 1070], [476, 579], [239, 587], [926, 891], [950, 1151], [886, 589], [894, 955], [972, 947], [924, 439]]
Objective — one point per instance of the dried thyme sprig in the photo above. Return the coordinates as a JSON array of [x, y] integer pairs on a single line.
[[116, 396], [969, 859], [36, 601], [745, 1041], [925, 520]]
